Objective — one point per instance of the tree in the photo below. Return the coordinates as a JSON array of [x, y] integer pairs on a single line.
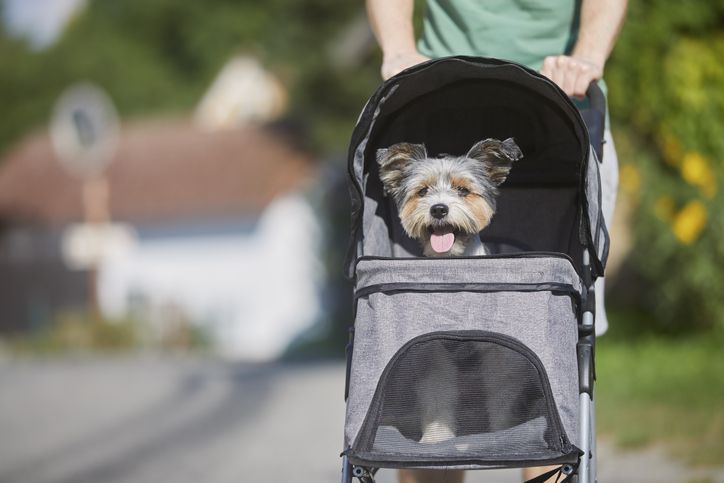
[[159, 57]]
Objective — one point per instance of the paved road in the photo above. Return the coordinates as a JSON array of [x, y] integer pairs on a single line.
[[153, 419]]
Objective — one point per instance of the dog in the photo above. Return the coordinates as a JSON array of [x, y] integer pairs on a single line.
[[444, 203]]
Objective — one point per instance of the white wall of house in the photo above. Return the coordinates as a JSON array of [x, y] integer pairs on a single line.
[[254, 286]]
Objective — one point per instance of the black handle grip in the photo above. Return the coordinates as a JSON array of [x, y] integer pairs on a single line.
[[596, 98], [594, 115]]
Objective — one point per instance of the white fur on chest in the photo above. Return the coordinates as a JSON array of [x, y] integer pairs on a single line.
[[475, 248]]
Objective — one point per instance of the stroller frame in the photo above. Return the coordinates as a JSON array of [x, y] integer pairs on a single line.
[[591, 263]]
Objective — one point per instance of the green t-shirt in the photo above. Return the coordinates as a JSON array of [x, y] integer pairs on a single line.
[[524, 31]]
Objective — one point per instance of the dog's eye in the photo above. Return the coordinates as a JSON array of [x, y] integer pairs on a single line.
[[422, 192], [463, 191]]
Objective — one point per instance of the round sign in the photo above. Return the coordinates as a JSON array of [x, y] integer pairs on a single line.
[[84, 130]]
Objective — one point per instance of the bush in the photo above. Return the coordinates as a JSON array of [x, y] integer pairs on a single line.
[[666, 81], [79, 331]]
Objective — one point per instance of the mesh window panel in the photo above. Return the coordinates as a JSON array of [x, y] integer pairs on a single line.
[[454, 398]]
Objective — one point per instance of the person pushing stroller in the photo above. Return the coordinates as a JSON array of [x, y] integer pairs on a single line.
[[568, 41]]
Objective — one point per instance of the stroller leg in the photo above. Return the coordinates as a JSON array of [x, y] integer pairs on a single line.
[[593, 442], [346, 470], [584, 469], [586, 376]]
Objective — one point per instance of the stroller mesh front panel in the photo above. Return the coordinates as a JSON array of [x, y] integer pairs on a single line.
[[464, 361], [453, 395]]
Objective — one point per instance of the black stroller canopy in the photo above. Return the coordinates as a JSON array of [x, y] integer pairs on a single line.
[[450, 104]]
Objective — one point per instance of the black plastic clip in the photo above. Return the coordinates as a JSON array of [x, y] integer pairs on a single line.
[[566, 471]]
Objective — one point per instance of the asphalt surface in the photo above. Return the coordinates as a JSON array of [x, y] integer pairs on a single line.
[[180, 419]]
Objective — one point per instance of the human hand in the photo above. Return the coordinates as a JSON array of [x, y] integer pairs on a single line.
[[395, 63], [572, 74]]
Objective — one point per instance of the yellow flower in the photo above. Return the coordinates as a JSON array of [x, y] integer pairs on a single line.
[[689, 222], [664, 208], [696, 170], [630, 178]]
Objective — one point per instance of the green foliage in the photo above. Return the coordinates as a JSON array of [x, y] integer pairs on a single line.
[[667, 97], [158, 57]]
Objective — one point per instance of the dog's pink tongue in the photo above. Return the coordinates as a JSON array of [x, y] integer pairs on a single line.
[[442, 242]]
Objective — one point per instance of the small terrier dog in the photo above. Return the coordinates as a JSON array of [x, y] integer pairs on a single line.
[[444, 203]]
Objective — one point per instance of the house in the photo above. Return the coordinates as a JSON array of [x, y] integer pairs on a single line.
[[223, 234]]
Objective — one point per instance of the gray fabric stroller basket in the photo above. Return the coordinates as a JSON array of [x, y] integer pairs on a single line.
[[474, 362]]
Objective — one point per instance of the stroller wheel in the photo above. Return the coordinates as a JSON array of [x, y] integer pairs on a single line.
[[363, 474]]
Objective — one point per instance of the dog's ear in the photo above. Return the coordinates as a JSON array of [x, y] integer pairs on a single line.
[[394, 162], [497, 157]]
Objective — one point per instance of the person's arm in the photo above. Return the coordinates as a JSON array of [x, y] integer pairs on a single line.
[[391, 22], [601, 22]]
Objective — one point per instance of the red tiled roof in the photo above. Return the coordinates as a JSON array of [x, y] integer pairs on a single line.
[[162, 170]]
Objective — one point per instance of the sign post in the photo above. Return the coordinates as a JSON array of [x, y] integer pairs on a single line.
[[84, 131]]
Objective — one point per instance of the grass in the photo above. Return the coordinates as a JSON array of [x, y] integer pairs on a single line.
[[662, 389]]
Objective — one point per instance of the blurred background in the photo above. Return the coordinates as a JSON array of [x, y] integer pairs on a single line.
[[158, 161]]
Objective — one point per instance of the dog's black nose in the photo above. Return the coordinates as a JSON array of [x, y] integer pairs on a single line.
[[439, 211]]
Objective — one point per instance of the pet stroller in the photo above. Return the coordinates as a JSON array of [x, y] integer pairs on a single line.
[[514, 329]]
